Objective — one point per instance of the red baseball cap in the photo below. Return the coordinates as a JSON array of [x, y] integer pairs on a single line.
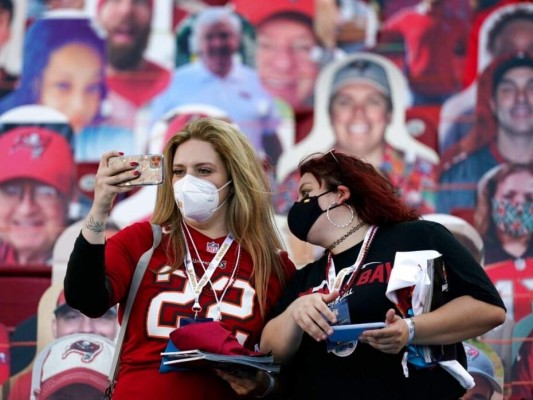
[[32, 152], [257, 11], [80, 358], [211, 337]]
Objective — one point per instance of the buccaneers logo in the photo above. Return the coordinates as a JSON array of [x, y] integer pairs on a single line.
[[86, 349], [31, 141]]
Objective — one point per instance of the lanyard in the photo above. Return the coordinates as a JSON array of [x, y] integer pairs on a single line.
[[197, 286], [335, 281]]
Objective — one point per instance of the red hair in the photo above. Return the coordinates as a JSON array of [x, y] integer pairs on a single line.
[[372, 196]]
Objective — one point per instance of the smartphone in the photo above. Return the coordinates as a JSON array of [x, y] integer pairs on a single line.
[[345, 333], [150, 166]]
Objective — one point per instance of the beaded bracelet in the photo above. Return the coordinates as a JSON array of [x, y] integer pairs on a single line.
[[271, 384], [411, 327]]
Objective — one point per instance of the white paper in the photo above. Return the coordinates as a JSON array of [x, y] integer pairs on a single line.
[[410, 269], [458, 372]]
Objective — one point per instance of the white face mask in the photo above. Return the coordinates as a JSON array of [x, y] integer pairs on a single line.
[[197, 198]]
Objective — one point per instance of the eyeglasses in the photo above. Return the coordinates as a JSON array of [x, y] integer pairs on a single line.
[[12, 193], [320, 156]]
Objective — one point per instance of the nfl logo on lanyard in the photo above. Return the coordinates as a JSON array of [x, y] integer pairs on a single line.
[[212, 247]]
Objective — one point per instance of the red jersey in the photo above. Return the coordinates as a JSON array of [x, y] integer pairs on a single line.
[[163, 299], [433, 41], [139, 86], [9, 257], [514, 281]]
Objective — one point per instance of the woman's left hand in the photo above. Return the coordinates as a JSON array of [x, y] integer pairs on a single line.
[[391, 339], [246, 384]]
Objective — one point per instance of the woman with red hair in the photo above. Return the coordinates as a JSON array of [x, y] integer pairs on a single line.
[[348, 207]]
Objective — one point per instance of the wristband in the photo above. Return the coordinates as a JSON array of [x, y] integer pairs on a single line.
[[270, 388], [411, 327]]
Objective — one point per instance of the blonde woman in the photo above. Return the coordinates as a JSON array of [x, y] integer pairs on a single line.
[[214, 193]]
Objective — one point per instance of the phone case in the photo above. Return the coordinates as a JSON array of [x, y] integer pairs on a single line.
[[151, 167], [345, 333]]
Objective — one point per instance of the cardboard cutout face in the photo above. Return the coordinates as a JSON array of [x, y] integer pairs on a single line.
[[504, 219], [55, 319], [128, 26], [217, 44], [323, 136], [287, 59], [516, 36], [36, 185], [360, 110], [71, 83]]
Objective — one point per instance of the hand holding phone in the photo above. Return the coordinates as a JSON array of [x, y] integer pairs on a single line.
[[150, 167]]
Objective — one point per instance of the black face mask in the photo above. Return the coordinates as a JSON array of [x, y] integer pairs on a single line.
[[303, 214]]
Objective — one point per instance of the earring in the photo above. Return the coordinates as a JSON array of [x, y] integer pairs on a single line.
[[333, 223]]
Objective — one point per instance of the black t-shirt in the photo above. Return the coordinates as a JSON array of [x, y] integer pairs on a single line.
[[313, 373]]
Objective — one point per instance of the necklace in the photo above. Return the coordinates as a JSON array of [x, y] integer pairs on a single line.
[[335, 282], [343, 237]]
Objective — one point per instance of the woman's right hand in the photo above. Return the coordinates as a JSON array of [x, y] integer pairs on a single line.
[[107, 181], [312, 314]]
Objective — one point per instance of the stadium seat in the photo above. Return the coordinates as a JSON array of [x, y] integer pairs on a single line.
[[21, 288]]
